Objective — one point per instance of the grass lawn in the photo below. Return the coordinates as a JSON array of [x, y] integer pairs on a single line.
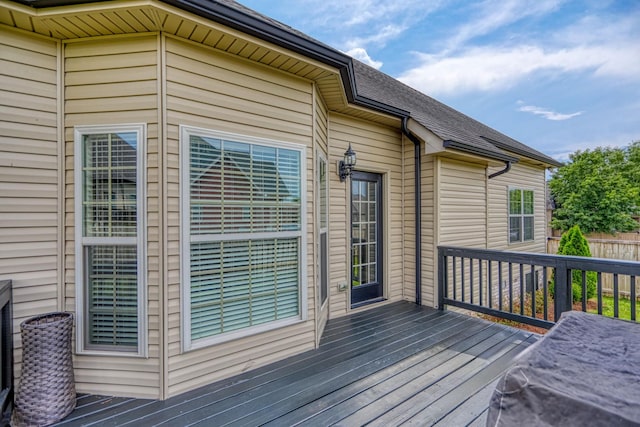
[[624, 308]]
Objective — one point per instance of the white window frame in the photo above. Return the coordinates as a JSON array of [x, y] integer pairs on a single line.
[[139, 240], [521, 215], [322, 157], [186, 239]]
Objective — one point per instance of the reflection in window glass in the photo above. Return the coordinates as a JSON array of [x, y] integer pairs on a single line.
[[245, 201], [521, 215]]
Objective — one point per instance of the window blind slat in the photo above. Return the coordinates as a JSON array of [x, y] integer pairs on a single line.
[[112, 297]]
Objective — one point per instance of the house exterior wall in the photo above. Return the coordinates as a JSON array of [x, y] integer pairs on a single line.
[[525, 176], [48, 87], [29, 179], [462, 201], [379, 149], [429, 231], [321, 142], [111, 81], [472, 211], [409, 247], [218, 91]]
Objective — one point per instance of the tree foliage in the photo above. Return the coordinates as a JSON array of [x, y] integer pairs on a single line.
[[599, 190], [574, 243]]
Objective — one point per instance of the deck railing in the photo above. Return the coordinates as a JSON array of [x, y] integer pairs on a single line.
[[531, 288], [6, 349]]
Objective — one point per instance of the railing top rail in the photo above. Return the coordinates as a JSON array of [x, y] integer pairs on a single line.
[[603, 265]]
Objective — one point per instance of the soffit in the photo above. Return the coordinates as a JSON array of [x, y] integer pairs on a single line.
[[130, 17]]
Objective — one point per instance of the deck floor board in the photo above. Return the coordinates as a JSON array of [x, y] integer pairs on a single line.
[[390, 365]]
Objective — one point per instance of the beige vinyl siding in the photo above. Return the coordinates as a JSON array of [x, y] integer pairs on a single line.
[[428, 232], [379, 150], [428, 250], [525, 176], [321, 129], [217, 91], [321, 124], [462, 214], [29, 189], [112, 80], [462, 199], [409, 202]]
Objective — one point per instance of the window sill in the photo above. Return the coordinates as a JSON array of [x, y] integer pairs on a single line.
[[242, 333]]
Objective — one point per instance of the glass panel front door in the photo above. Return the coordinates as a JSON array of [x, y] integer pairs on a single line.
[[366, 238]]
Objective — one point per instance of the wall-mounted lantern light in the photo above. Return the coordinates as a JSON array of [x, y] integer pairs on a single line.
[[345, 166]]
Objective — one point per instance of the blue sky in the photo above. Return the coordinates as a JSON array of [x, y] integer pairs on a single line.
[[556, 75]]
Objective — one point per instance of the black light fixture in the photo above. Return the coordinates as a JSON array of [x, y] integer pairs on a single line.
[[345, 166]]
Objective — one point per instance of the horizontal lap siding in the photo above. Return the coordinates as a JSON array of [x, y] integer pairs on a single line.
[[321, 130], [521, 175], [428, 235], [114, 81], [28, 175], [409, 203], [378, 149], [462, 201], [462, 204], [217, 91]]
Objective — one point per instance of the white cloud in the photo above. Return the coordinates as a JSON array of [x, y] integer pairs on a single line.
[[494, 68], [367, 12], [379, 37], [362, 55], [494, 14], [363, 23], [547, 114]]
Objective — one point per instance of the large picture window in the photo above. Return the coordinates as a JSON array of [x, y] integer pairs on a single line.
[[521, 215], [110, 238], [242, 228]]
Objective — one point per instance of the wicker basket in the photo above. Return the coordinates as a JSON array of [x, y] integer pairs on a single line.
[[46, 393]]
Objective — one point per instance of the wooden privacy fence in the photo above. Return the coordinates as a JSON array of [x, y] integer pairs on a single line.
[[610, 248]]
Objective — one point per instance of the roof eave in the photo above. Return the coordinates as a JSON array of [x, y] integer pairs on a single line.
[[542, 158], [258, 28], [478, 151]]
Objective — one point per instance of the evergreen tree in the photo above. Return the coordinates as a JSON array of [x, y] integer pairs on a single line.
[[574, 243]]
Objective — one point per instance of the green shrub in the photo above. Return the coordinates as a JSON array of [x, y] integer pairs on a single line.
[[574, 243]]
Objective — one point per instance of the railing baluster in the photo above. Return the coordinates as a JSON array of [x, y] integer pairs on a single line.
[[534, 285], [599, 286], [522, 289], [462, 277], [500, 285], [471, 279], [455, 284], [510, 288], [632, 284], [480, 280], [584, 290], [615, 295], [545, 287], [489, 283], [562, 289]]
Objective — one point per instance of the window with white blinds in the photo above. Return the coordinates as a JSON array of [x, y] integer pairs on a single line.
[[109, 231], [243, 231]]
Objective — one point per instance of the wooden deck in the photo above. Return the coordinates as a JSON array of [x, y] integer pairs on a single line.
[[392, 365]]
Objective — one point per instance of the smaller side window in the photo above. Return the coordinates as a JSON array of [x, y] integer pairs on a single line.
[[110, 238], [521, 215]]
